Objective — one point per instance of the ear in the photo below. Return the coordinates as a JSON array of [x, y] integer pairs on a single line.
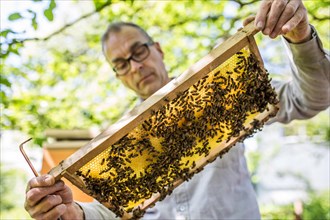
[[159, 49]]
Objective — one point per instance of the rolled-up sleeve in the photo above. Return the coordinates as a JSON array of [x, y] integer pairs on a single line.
[[308, 92]]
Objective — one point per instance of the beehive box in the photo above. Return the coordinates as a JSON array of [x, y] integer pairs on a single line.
[[220, 100]]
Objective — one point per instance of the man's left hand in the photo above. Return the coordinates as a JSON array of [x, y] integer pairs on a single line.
[[283, 17]]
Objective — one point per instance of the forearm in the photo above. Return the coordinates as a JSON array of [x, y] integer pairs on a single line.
[[302, 38], [308, 91], [74, 211]]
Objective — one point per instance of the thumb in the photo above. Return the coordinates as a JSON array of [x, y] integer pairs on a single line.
[[40, 181], [248, 20]]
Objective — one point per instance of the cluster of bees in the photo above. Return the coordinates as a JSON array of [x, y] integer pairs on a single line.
[[167, 145]]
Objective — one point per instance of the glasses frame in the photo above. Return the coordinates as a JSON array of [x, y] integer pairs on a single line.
[[128, 60]]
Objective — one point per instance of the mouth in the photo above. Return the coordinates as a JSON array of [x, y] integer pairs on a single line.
[[144, 80]]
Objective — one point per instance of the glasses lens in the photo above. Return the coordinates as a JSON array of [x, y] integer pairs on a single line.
[[141, 53], [122, 67]]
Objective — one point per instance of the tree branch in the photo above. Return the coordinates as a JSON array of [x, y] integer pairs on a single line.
[[317, 18], [16, 41], [242, 4]]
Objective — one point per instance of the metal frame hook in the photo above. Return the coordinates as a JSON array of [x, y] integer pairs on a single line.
[[27, 158]]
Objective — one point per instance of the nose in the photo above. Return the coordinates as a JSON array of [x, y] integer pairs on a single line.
[[135, 66]]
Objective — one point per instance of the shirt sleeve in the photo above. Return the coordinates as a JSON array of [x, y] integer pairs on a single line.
[[308, 92], [95, 210]]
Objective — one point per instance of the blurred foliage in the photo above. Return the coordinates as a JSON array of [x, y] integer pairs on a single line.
[[284, 212], [317, 129], [253, 162], [12, 187], [62, 80], [317, 207]]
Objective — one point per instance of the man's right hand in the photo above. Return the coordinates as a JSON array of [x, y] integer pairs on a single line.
[[47, 199]]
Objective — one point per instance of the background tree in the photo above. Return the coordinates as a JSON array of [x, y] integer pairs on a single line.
[[62, 80]]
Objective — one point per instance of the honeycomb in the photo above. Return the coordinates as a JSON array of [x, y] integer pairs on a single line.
[[167, 146]]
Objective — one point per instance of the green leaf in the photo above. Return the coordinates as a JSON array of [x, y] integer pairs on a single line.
[[52, 4], [98, 4], [13, 48], [49, 11], [34, 22], [5, 32], [14, 16], [4, 54], [4, 81], [49, 14], [3, 97]]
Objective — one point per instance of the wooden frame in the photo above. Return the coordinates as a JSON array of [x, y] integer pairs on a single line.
[[216, 57]]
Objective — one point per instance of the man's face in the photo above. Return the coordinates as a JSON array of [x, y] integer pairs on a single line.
[[144, 77]]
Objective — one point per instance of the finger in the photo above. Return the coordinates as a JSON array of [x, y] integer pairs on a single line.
[[294, 21], [248, 20], [274, 15], [261, 16], [53, 214], [66, 194], [34, 195], [40, 181], [289, 12], [46, 204]]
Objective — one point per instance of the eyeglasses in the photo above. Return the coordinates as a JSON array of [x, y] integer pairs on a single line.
[[140, 53]]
